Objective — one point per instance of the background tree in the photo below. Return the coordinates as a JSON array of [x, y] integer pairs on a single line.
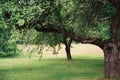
[[54, 16]]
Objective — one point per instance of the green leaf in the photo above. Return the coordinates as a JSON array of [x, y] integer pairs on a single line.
[[20, 22]]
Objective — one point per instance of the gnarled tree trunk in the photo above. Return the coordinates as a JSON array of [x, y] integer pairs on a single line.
[[112, 50], [111, 60]]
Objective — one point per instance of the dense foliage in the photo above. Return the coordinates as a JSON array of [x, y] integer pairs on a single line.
[[72, 15]]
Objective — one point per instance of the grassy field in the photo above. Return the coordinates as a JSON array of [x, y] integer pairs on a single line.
[[82, 67]]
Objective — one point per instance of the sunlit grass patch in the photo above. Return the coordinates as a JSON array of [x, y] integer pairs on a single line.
[[50, 69]]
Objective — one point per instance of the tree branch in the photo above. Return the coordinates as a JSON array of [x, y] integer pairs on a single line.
[[80, 38]]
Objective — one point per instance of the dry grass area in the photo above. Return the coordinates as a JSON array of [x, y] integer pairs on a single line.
[[77, 50]]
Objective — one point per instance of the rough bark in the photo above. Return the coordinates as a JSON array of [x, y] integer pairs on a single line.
[[112, 50], [111, 60]]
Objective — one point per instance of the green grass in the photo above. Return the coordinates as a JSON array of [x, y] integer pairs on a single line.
[[51, 69]]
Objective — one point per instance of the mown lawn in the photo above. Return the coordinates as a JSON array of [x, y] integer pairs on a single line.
[[51, 69], [87, 64]]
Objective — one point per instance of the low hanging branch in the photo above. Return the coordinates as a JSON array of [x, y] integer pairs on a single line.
[[80, 38], [58, 29]]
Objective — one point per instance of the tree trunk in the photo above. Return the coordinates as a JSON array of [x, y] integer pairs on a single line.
[[112, 49], [69, 57], [111, 60], [67, 42]]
